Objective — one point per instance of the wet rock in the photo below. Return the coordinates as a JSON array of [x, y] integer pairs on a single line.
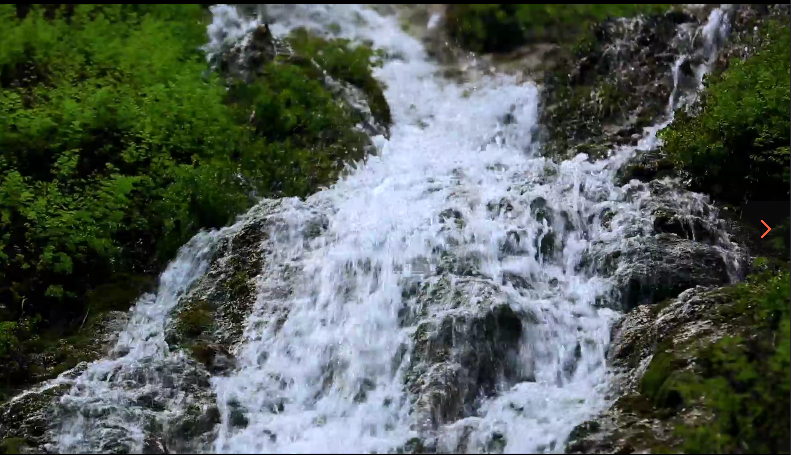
[[214, 357], [688, 227], [90, 342], [503, 207], [26, 421], [467, 264], [462, 353], [153, 445], [541, 212], [237, 417], [517, 281], [646, 166], [652, 269], [583, 113], [513, 244], [633, 424], [745, 38], [496, 443], [210, 318], [415, 446], [453, 216], [244, 59]]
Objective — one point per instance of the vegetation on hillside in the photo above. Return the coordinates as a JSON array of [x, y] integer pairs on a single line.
[[504, 27], [741, 379], [117, 144], [735, 144]]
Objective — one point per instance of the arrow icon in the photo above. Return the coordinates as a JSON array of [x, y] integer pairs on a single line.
[[767, 228]]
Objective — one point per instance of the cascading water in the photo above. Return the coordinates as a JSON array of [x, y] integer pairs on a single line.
[[364, 336]]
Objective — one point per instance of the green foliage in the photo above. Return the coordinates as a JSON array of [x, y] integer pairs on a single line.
[[344, 62], [107, 128], [8, 339], [503, 27], [735, 146], [311, 135], [13, 338], [743, 379], [117, 145]]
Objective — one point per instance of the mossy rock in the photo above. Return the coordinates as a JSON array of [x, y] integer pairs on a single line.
[[718, 379], [646, 172], [195, 319], [12, 445], [239, 285], [214, 357], [347, 64], [414, 446]]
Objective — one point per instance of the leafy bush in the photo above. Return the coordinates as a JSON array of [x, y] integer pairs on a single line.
[[107, 130], [503, 27], [346, 63], [735, 143], [117, 144], [13, 338], [310, 136]]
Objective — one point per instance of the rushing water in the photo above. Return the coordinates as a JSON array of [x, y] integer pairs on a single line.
[[451, 150]]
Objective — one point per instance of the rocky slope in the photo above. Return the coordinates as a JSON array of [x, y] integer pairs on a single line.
[[643, 57], [678, 358]]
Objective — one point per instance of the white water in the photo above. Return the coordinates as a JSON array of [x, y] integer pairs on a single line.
[[448, 149], [140, 350]]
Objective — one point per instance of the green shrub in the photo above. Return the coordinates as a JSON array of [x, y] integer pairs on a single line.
[[503, 27], [735, 144], [14, 337], [344, 62], [115, 149], [117, 145]]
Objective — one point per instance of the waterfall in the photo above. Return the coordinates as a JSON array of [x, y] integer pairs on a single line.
[[442, 302]]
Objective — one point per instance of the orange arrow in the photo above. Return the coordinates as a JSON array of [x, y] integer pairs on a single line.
[[767, 228]]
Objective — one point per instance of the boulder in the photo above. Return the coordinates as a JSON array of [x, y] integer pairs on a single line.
[[463, 352]]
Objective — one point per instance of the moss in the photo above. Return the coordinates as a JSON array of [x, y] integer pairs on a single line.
[[585, 429], [635, 403], [239, 285], [195, 319], [657, 308], [659, 370], [741, 380], [202, 352], [120, 293], [413, 445], [196, 422], [12, 445]]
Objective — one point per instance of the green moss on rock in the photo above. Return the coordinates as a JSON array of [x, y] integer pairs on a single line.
[[12, 445], [347, 63], [730, 393], [195, 319]]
